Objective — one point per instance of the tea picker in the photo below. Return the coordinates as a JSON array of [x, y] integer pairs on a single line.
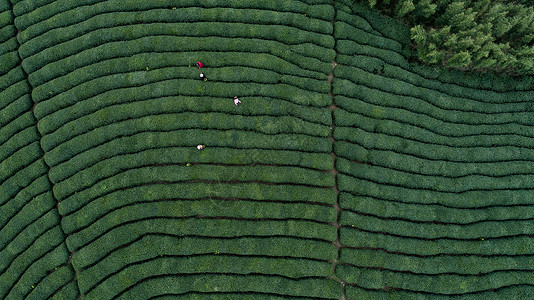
[[236, 101]]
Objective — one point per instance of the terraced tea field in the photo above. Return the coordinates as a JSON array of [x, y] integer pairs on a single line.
[[346, 172]]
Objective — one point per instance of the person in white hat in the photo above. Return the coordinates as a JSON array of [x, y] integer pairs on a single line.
[[236, 101]]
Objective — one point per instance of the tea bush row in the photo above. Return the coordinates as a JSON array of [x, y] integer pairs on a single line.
[[185, 86], [401, 89], [347, 92], [431, 213], [32, 248], [210, 208], [421, 247], [408, 228], [115, 104], [272, 36], [435, 284], [85, 66], [136, 117], [91, 205], [29, 14], [356, 107], [94, 245], [251, 285], [480, 198], [91, 142], [397, 128], [210, 264], [78, 25], [114, 178], [400, 178], [381, 141], [468, 265], [520, 291], [100, 160]]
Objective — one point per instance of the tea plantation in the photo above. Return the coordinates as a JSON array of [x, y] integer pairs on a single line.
[[346, 172]]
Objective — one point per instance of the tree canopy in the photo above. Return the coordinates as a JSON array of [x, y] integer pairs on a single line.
[[482, 35]]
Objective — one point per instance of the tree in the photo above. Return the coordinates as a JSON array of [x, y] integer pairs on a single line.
[[404, 7]]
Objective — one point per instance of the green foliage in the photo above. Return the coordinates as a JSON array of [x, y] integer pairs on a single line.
[[441, 284], [404, 7], [479, 35], [136, 175], [210, 283]]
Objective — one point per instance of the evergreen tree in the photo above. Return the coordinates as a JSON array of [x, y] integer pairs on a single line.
[[492, 35]]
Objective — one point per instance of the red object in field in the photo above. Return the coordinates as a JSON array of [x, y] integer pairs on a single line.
[[199, 64]]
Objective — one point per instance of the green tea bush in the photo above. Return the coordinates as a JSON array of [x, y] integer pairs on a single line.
[[180, 17], [401, 89], [211, 264], [386, 293], [90, 176], [418, 134], [37, 191], [344, 14], [11, 77], [437, 183], [478, 198], [309, 56], [10, 45], [344, 31], [16, 108], [38, 271], [422, 247], [407, 228], [23, 265], [349, 91], [180, 86], [56, 284], [182, 246], [438, 152], [433, 284], [115, 102], [100, 161], [19, 213], [457, 90], [92, 246], [431, 213], [217, 121], [191, 137], [356, 55], [273, 35], [13, 92], [387, 27], [68, 291], [133, 175], [91, 19], [275, 67], [356, 107], [89, 207], [28, 16], [259, 285], [464, 265], [209, 208], [225, 74]]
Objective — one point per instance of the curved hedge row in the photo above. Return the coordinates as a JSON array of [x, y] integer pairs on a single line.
[[33, 255], [121, 110], [435, 175]]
